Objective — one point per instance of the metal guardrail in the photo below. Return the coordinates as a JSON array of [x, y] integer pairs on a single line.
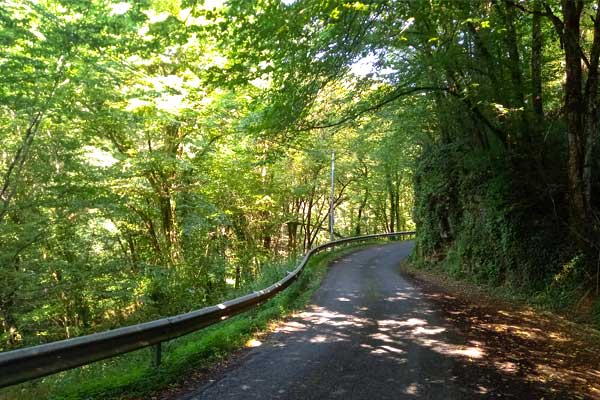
[[35, 362]]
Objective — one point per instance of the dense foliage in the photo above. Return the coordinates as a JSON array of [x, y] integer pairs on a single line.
[[151, 163], [503, 96], [506, 194]]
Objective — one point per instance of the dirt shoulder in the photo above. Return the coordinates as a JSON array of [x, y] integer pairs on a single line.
[[534, 345]]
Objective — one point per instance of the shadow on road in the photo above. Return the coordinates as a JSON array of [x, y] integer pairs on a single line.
[[369, 334], [417, 355]]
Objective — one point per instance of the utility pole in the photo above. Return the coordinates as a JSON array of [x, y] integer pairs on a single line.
[[331, 221]]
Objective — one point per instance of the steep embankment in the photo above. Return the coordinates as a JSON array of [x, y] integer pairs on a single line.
[[496, 220]]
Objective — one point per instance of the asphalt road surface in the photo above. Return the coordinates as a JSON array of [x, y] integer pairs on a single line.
[[367, 334]]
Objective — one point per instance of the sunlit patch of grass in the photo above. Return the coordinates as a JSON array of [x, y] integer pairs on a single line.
[[568, 269]]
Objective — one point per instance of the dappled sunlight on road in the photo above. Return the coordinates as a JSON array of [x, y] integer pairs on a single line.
[[428, 331], [319, 315], [412, 389], [343, 299], [399, 339], [418, 331], [370, 334], [396, 297], [387, 324]]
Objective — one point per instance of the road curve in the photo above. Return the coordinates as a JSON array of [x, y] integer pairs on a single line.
[[367, 334]]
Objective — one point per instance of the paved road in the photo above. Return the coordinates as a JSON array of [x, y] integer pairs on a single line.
[[367, 334]]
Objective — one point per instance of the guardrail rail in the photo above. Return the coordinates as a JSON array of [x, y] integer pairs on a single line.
[[21, 365]]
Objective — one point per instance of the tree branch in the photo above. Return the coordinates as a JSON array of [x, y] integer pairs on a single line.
[[548, 13], [395, 96], [559, 25]]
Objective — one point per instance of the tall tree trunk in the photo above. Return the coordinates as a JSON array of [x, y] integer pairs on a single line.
[[537, 42], [511, 41], [13, 171], [361, 208], [391, 194], [399, 218], [307, 225], [292, 233], [591, 111], [238, 276], [574, 112], [483, 57]]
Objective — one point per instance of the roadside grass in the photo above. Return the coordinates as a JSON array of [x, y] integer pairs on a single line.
[[133, 375]]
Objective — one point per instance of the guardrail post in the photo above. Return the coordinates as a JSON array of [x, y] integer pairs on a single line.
[[157, 354]]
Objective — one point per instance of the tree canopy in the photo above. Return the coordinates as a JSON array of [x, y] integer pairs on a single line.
[[155, 155]]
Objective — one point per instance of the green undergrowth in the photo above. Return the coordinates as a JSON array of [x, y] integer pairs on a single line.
[[488, 218], [133, 375], [562, 302], [561, 294]]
